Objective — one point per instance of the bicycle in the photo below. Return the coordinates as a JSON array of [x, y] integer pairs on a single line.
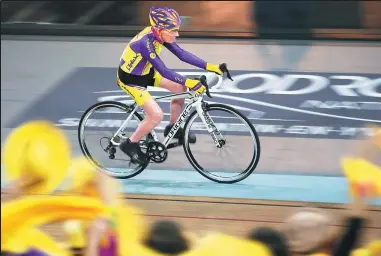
[[156, 151]]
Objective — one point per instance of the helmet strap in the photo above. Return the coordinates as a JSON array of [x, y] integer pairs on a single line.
[[156, 33]]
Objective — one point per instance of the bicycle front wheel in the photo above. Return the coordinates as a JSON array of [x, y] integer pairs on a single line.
[[237, 156]]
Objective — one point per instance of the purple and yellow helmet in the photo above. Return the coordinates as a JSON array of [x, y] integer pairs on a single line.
[[164, 18]]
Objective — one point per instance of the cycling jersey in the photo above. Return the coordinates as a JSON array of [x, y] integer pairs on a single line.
[[142, 54]]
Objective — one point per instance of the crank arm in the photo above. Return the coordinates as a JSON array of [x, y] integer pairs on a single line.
[[174, 145]]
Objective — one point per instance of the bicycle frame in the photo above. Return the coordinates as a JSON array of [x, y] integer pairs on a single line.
[[196, 102]]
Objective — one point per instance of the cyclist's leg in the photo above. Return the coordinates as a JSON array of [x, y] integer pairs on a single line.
[[176, 106], [152, 110], [154, 115]]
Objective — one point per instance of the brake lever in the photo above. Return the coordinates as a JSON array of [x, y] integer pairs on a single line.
[[203, 81], [224, 68], [208, 92]]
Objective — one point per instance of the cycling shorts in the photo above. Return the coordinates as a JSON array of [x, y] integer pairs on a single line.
[[136, 86]]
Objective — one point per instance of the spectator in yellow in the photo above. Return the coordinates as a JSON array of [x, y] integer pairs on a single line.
[[309, 231], [371, 249], [126, 223], [36, 157], [31, 153]]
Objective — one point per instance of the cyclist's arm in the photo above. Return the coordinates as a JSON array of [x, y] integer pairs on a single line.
[[185, 56], [148, 52]]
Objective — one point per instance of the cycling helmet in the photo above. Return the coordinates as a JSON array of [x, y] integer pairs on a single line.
[[164, 18]]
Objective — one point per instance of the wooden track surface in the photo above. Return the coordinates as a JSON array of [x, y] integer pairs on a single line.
[[233, 216]]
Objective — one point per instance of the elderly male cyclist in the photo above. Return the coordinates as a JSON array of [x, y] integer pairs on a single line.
[[140, 66]]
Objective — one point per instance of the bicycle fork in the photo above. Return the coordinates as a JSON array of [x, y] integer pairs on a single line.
[[209, 124]]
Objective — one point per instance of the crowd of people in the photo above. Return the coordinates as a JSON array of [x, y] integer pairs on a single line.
[[50, 186]]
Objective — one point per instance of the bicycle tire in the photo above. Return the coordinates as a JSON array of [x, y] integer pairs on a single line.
[[254, 162], [84, 148]]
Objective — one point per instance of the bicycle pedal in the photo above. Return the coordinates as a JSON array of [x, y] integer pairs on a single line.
[[134, 162]]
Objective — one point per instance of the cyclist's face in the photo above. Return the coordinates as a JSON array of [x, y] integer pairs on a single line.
[[169, 36]]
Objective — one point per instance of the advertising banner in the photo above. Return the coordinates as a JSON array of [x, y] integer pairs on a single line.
[[280, 104]]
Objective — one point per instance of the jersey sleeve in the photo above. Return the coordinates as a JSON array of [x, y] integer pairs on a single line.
[[148, 52], [185, 56]]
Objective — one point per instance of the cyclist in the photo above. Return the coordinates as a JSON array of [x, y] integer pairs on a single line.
[[140, 66]]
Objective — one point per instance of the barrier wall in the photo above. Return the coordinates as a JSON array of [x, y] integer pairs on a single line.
[[239, 19]]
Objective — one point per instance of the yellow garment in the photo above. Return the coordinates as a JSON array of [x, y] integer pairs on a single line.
[[130, 226], [38, 210], [34, 238], [222, 244], [39, 240], [31, 153], [139, 94], [375, 247], [360, 171], [361, 252], [371, 249], [137, 249], [75, 236]]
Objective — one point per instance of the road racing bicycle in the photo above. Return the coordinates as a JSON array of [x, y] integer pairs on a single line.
[[157, 151]]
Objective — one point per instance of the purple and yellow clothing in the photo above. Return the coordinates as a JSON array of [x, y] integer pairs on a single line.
[[30, 252], [125, 222], [140, 65], [143, 52], [24, 237]]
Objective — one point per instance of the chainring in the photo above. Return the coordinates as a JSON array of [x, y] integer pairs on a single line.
[[157, 152]]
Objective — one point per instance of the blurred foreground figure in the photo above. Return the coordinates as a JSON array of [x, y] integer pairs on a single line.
[[371, 249], [114, 234], [219, 244], [21, 218], [309, 231], [167, 237], [272, 238], [36, 157]]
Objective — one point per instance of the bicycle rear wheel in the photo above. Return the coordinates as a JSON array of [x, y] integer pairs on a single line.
[[97, 126], [239, 137]]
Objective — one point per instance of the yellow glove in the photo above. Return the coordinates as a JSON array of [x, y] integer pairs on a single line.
[[195, 85], [214, 68]]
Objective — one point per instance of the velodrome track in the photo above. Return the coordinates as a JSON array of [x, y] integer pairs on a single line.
[[57, 82]]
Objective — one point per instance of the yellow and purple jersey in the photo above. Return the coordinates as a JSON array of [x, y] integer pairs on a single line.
[[142, 53]]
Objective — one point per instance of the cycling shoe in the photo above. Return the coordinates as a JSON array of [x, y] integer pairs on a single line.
[[133, 151]]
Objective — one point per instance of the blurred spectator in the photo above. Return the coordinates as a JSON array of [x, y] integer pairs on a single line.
[[167, 237], [310, 229], [309, 232], [102, 234], [372, 248], [272, 238], [29, 153]]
